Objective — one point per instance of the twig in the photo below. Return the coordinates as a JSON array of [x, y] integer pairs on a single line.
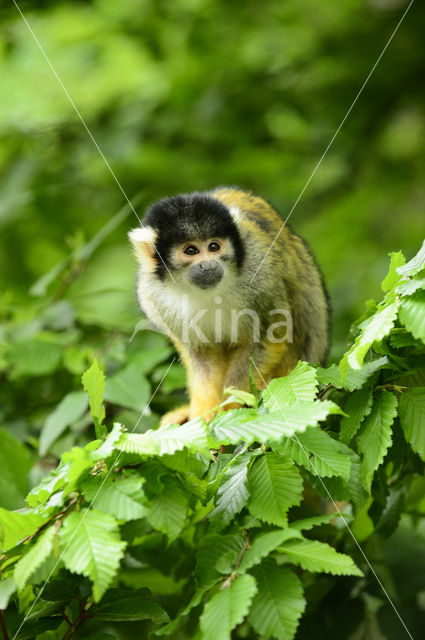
[[244, 548], [324, 391], [227, 582], [49, 521], [392, 387], [77, 622], [65, 617], [3, 625]]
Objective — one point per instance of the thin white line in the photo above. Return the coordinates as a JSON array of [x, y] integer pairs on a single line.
[[113, 465], [333, 138], [336, 507], [83, 122]]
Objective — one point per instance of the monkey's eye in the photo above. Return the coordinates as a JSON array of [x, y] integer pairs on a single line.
[[213, 246], [191, 250]]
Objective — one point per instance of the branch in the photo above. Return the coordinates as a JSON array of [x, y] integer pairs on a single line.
[[324, 391], [227, 582], [49, 521], [3, 625], [77, 622]]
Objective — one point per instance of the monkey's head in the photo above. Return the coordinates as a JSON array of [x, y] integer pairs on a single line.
[[191, 239]]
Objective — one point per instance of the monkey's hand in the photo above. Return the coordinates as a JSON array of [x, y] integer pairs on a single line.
[[177, 416]]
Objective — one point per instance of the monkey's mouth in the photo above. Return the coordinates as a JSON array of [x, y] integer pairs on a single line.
[[206, 274], [206, 282]]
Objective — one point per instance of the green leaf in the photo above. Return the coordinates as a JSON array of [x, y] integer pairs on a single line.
[[121, 604], [61, 589], [15, 465], [212, 547], [375, 436], [17, 525], [7, 589], [400, 338], [353, 378], [313, 555], [393, 277], [39, 288], [234, 426], [232, 494], [36, 628], [263, 544], [174, 625], [109, 445], [92, 547], [408, 287], [171, 378], [75, 464], [122, 498], [391, 514], [96, 636], [167, 440], [317, 451], [279, 603], [412, 418], [416, 264], [244, 397], [373, 329], [358, 406], [128, 388], [300, 384], [412, 315], [34, 558], [227, 608], [35, 357], [355, 486], [169, 509], [148, 356], [190, 463], [275, 485], [68, 411], [315, 521], [94, 383]]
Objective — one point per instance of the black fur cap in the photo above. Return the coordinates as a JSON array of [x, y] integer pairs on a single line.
[[188, 217]]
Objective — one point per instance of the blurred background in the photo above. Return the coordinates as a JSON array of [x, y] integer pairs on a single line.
[[185, 95]]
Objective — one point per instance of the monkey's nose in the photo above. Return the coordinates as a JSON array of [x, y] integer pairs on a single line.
[[208, 264], [206, 273]]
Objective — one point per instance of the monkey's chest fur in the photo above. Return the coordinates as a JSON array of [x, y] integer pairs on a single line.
[[202, 318]]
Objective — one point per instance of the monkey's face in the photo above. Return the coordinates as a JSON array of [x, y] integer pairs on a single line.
[[187, 243], [195, 263], [200, 262]]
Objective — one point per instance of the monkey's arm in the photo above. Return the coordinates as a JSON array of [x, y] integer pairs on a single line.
[[206, 372]]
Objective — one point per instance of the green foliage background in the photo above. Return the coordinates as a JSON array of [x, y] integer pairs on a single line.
[[183, 95]]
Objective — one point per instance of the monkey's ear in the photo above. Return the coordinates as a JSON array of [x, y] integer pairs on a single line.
[[143, 241], [236, 214]]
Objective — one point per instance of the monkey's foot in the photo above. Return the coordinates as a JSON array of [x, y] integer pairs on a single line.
[[177, 416]]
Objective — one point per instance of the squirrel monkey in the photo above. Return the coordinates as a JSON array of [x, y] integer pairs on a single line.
[[203, 282]]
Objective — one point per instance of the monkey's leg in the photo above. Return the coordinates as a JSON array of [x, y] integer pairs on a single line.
[[273, 360], [237, 374]]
